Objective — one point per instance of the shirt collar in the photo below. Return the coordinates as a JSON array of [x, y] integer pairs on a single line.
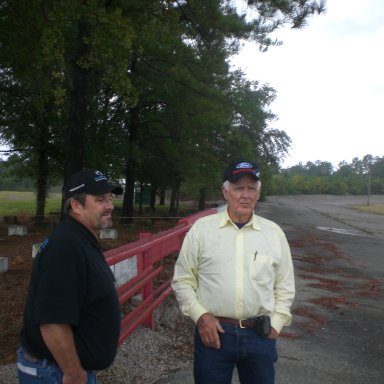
[[226, 220]]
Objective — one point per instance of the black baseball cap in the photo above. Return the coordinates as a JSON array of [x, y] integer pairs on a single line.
[[89, 181], [239, 169]]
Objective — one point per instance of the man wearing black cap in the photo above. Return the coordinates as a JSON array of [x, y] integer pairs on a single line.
[[71, 320], [234, 278]]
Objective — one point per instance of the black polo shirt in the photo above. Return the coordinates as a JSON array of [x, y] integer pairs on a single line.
[[71, 283]]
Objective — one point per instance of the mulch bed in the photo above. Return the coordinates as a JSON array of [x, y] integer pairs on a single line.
[[14, 282]]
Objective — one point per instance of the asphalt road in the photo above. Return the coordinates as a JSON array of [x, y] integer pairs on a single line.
[[337, 335]]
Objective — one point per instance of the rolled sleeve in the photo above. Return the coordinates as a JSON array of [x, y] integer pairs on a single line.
[[284, 290], [185, 279]]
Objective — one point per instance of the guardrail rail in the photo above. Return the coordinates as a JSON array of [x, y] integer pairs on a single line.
[[148, 250]]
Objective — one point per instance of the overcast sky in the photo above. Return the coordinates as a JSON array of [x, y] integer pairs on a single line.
[[329, 79]]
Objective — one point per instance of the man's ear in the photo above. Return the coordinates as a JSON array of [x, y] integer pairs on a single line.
[[76, 206], [259, 192], [224, 192]]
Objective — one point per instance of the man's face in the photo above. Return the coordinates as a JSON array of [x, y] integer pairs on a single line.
[[242, 197], [96, 213]]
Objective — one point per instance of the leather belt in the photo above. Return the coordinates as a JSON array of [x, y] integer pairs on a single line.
[[30, 358], [33, 359], [261, 324], [241, 323]]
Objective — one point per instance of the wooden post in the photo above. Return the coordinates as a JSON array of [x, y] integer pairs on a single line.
[[148, 288]]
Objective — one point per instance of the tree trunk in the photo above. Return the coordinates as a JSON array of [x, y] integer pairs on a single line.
[[130, 173], [77, 114], [202, 199], [141, 194], [128, 200], [152, 202], [77, 109], [162, 196], [42, 176], [175, 195]]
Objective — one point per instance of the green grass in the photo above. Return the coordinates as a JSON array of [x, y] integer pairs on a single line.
[[24, 203], [377, 209]]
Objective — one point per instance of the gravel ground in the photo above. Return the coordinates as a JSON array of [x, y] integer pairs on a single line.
[[148, 356], [151, 356]]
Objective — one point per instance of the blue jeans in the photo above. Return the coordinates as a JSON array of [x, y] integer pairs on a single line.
[[254, 358], [42, 372]]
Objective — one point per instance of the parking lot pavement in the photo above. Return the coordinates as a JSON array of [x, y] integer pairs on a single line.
[[337, 334]]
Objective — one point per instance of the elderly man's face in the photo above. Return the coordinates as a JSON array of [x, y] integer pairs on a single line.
[[242, 198]]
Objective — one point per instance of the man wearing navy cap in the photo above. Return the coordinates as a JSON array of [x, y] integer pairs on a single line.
[[71, 323], [234, 278]]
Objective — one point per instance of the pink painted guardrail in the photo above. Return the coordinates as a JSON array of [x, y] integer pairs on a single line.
[[148, 250]]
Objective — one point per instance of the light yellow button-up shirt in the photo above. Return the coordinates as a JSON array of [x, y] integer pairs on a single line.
[[235, 273]]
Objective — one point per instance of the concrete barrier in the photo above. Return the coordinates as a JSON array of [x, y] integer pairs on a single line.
[[108, 233], [3, 264], [125, 270], [35, 249], [17, 230]]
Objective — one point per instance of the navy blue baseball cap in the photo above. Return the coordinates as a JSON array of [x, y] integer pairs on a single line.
[[89, 181], [239, 169]]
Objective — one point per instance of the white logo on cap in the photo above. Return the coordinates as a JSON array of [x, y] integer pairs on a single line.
[[76, 188], [99, 176], [244, 165]]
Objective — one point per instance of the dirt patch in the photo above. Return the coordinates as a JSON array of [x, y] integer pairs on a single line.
[[14, 282], [327, 284], [333, 302], [372, 289], [313, 322]]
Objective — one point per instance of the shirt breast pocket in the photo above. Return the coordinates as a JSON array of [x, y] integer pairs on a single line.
[[262, 269]]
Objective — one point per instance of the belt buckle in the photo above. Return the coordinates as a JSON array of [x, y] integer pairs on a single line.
[[241, 324]]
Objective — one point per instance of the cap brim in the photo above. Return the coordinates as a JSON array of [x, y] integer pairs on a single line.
[[236, 178], [117, 190], [105, 188]]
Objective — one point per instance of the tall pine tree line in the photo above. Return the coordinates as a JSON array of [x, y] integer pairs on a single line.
[[141, 89]]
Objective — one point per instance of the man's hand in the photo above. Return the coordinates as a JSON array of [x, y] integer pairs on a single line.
[[209, 328], [59, 340], [274, 335], [80, 378]]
